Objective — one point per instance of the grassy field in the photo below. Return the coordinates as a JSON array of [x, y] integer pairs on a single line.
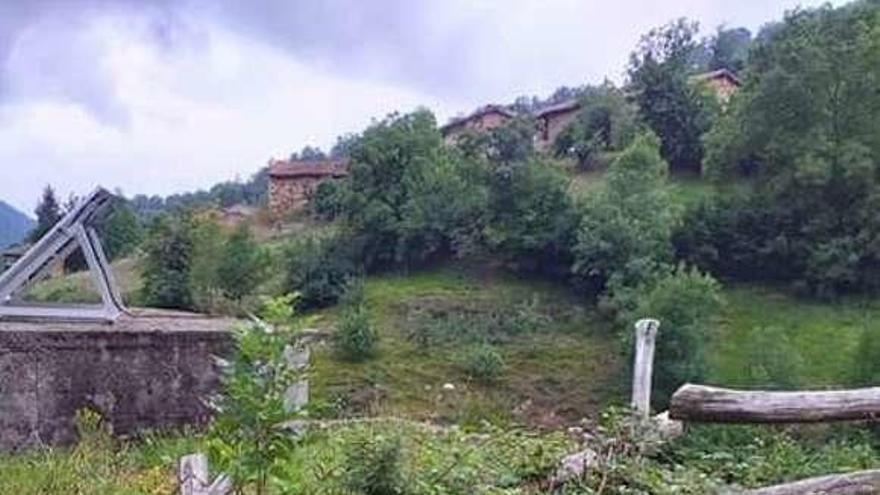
[[560, 363], [767, 337]]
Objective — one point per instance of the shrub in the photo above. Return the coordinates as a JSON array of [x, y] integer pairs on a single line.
[[167, 262], [245, 434], [483, 363], [320, 267], [241, 264], [685, 302], [625, 230], [328, 201], [374, 466], [531, 216], [355, 339]]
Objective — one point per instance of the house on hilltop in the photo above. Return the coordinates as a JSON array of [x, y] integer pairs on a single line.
[[722, 82], [483, 119], [293, 182], [552, 120]]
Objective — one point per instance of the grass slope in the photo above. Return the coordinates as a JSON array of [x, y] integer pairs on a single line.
[[560, 363]]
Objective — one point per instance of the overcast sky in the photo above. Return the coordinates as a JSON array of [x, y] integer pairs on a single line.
[[162, 96]]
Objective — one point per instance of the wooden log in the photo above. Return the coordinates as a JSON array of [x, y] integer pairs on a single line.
[[858, 483], [700, 403], [646, 336]]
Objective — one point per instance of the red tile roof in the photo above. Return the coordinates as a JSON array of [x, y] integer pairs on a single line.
[[308, 168]]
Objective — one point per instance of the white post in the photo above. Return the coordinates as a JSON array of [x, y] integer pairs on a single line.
[[646, 336], [194, 479]]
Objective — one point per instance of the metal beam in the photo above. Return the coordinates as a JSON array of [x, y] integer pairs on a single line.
[[76, 228]]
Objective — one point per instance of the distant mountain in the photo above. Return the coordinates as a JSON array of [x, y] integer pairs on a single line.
[[14, 225]]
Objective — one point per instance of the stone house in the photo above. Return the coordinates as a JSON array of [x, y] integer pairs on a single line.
[[482, 119], [293, 182], [722, 82], [552, 120]]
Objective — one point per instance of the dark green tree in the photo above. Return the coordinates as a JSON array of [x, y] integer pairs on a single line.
[[240, 268], [674, 108], [606, 123], [729, 49], [48, 213], [166, 268], [121, 233]]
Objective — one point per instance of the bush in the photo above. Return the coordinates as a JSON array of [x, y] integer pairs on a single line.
[[483, 363], [625, 231], [355, 339], [241, 264], [685, 302], [531, 216], [374, 466], [168, 251], [328, 201], [320, 267]]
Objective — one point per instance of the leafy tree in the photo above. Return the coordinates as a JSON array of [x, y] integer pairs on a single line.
[[531, 216], [320, 268], [625, 230], [389, 166], [805, 123], [729, 49], [245, 435], [241, 264], [676, 110], [167, 264], [122, 233], [685, 302], [309, 153], [606, 123], [48, 213]]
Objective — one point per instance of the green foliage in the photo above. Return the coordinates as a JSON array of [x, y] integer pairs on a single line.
[[241, 264], [729, 49], [676, 110], [686, 302], [772, 360], [531, 216], [510, 143], [320, 267], [167, 262], [483, 363], [409, 198], [374, 466], [122, 232], [606, 123], [624, 235], [355, 338], [328, 201], [48, 214], [245, 436]]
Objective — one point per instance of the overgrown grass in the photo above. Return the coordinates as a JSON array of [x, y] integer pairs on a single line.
[[819, 339], [560, 363]]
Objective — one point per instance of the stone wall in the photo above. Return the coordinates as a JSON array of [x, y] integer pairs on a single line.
[[291, 193], [144, 372], [552, 126]]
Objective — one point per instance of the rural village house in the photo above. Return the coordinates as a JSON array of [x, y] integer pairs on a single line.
[[552, 120], [722, 81], [483, 119], [293, 182]]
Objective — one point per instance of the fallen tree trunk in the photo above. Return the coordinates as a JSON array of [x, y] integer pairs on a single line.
[[700, 403], [858, 483]]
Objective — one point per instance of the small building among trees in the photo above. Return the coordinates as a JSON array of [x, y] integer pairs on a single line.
[[483, 119], [293, 182], [722, 82], [552, 120]]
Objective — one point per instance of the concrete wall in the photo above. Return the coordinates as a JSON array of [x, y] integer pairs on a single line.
[[138, 373]]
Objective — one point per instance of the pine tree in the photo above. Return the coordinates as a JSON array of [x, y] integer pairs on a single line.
[[48, 214]]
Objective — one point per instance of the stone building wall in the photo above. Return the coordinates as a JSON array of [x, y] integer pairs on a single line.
[[552, 126], [140, 373], [291, 193]]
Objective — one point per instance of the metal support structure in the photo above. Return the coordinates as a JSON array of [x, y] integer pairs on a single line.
[[76, 229]]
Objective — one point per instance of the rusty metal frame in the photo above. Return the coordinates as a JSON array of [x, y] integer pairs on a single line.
[[75, 229]]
